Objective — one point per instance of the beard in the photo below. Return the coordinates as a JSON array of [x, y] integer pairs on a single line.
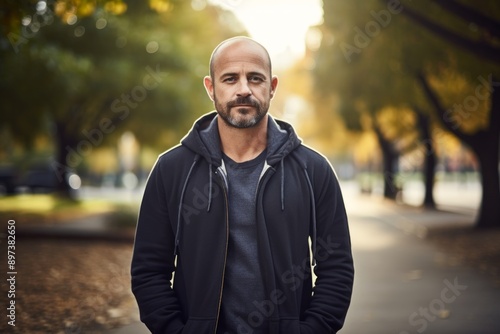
[[241, 117]]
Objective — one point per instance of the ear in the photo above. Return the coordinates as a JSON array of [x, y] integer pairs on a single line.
[[209, 86], [274, 85]]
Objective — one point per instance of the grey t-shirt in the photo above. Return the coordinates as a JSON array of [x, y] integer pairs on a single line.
[[243, 284]]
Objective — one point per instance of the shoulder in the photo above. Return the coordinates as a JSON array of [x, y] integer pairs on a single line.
[[177, 157], [318, 167], [310, 158]]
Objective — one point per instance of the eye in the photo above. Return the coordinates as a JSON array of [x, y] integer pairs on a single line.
[[229, 80], [255, 79]]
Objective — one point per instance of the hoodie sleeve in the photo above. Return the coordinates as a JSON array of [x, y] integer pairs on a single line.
[[334, 265], [153, 261]]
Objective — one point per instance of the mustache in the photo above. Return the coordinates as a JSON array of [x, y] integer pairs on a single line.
[[243, 100]]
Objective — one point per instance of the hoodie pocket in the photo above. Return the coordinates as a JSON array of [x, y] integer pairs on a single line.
[[289, 326], [199, 326]]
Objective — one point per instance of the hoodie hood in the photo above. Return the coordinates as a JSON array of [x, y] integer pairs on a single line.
[[203, 139]]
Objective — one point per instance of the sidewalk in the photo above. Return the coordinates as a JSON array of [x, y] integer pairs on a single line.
[[405, 285]]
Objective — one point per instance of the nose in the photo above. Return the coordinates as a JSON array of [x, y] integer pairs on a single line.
[[244, 89]]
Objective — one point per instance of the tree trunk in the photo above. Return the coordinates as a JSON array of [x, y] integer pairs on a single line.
[[429, 176], [66, 161], [429, 168], [389, 166], [391, 189], [489, 211], [485, 144]]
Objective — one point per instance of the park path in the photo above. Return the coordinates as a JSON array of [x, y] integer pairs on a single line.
[[406, 285]]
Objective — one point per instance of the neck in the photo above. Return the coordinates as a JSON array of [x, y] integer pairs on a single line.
[[243, 144]]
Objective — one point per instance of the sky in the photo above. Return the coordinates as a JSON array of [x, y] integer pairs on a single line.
[[279, 25]]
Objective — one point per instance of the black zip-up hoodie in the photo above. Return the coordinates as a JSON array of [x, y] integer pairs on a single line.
[[183, 228]]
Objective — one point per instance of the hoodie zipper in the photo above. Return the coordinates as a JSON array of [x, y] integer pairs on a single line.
[[224, 187], [263, 179], [220, 171], [266, 170]]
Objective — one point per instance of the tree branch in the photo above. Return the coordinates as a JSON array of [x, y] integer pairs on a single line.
[[468, 13], [385, 144], [480, 49], [423, 121], [495, 107], [439, 109]]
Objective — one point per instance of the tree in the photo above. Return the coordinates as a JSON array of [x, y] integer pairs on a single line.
[[359, 62], [88, 72], [384, 44], [483, 46]]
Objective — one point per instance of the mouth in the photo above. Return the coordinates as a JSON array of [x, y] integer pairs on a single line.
[[243, 103], [243, 109]]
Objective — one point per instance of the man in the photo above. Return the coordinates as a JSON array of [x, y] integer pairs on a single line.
[[231, 211]]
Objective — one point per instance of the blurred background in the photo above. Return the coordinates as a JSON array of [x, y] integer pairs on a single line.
[[402, 97]]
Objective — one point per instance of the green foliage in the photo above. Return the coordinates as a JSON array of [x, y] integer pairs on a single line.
[[85, 68], [361, 61], [371, 53]]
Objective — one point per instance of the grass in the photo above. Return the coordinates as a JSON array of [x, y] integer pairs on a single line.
[[48, 204], [49, 208]]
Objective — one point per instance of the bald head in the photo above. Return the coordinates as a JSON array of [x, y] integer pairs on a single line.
[[240, 84], [238, 42]]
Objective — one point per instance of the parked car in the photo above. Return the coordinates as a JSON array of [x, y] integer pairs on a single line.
[[8, 180], [38, 180], [44, 179]]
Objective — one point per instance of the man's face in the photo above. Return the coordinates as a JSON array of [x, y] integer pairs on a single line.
[[242, 86]]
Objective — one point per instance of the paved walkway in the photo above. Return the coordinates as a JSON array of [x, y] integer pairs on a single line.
[[404, 285]]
